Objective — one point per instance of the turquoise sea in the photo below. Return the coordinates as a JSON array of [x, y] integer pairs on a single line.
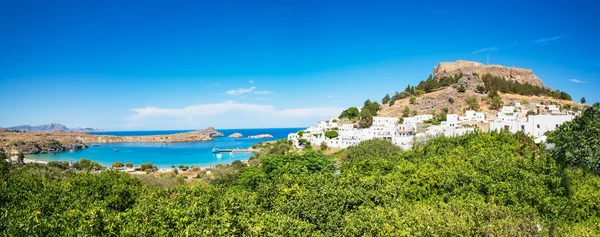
[[164, 155]]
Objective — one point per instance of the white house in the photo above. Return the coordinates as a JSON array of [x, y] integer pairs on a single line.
[[473, 116]]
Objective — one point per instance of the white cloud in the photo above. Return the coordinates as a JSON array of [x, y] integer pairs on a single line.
[[576, 81], [241, 91], [485, 50], [229, 113], [263, 92], [544, 40], [198, 110], [251, 81]]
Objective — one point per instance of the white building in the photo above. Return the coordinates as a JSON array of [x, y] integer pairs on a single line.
[[534, 125], [473, 116]]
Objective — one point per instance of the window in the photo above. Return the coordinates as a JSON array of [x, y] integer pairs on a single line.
[[538, 126], [522, 127]]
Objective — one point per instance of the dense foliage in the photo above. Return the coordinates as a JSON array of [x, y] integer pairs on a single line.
[[371, 106], [432, 84], [494, 83], [578, 141], [497, 184], [350, 113]]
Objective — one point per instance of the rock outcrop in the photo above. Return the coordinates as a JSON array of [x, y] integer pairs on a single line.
[[236, 135], [469, 68], [261, 136], [211, 131]]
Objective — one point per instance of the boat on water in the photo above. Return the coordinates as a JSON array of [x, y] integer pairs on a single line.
[[116, 150], [219, 155], [95, 144]]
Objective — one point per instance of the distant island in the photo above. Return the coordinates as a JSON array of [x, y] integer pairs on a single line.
[[53, 127], [261, 136]]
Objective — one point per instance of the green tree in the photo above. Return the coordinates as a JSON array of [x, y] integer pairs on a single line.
[[461, 89], [350, 113], [413, 100], [577, 142], [85, 164], [405, 111], [331, 134], [496, 101], [117, 165], [451, 100], [583, 100], [386, 99], [129, 165], [372, 107], [366, 119]]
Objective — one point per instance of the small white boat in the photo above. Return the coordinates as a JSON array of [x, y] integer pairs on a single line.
[[219, 155], [116, 150]]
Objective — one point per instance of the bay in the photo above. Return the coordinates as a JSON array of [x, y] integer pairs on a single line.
[[163, 155]]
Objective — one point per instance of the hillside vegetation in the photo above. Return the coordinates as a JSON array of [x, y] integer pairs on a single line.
[[497, 184]]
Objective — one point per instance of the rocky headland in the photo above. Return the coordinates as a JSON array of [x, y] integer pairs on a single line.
[[52, 142]]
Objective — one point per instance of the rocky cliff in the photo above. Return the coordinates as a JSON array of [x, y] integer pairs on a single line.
[[467, 69]]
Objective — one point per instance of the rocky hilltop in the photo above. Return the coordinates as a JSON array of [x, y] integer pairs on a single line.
[[53, 127], [457, 86], [471, 70]]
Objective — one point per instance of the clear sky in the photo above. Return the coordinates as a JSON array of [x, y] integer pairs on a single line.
[[144, 65]]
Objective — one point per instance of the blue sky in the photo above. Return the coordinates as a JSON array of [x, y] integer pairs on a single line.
[[231, 64]]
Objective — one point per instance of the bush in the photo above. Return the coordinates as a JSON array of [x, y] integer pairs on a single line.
[[413, 100], [451, 100], [117, 165], [147, 166], [129, 165], [323, 146], [473, 103]]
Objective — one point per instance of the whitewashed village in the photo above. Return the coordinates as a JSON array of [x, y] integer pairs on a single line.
[[532, 119]]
